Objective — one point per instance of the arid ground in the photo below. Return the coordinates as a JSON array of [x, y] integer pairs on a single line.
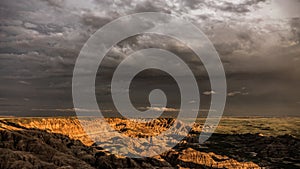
[[62, 143]]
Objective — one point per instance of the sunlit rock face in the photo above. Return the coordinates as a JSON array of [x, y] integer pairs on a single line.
[[192, 158], [143, 133], [62, 143]]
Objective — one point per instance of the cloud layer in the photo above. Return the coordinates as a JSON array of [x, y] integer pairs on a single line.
[[258, 42]]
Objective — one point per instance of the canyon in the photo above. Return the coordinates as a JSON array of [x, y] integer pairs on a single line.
[[62, 143]]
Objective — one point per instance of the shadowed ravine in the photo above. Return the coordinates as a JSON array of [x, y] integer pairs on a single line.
[[62, 143]]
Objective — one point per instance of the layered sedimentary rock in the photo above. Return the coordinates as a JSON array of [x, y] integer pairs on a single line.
[[62, 143], [191, 158]]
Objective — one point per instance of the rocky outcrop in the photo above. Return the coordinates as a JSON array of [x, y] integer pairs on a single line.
[[101, 134], [33, 148], [62, 143], [72, 126], [69, 126], [271, 152], [39, 149], [191, 158]]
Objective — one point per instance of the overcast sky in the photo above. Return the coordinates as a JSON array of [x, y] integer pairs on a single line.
[[258, 42]]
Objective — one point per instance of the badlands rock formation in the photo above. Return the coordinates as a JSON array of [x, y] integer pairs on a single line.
[[62, 143]]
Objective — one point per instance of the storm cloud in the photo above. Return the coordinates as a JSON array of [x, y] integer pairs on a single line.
[[258, 42]]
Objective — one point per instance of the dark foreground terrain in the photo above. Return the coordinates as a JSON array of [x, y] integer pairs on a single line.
[[25, 145]]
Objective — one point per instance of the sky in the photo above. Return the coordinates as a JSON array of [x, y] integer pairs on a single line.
[[258, 42]]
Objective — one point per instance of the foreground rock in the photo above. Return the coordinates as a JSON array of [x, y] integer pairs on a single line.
[[33, 148], [270, 152], [25, 145], [191, 158]]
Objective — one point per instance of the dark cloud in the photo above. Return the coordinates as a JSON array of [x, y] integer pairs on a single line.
[[40, 41], [295, 26], [225, 6], [55, 3], [98, 21], [151, 6]]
